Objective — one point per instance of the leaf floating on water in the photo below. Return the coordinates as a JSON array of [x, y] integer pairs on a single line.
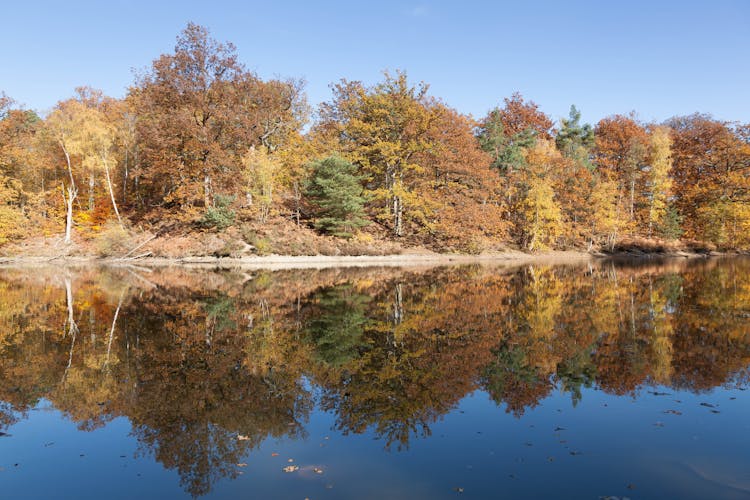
[[673, 412], [708, 405], [290, 460], [47, 445], [317, 470], [715, 411], [240, 437], [732, 399], [274, 454], [575, 453], [656, 393], [528, 444], [631, 486], [458, 489], [291, 468], [558, 429], [242, 464], [4, 434], [550, 459]]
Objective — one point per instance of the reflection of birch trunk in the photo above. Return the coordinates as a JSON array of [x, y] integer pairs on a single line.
[[398, 306], [112, 330], [71, 326], [632, 310]]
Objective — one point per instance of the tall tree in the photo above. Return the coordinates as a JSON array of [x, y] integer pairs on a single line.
[[574, 139], [620, 155], [659, 177], [335, 192], [198, 112], [382, 129], [506, 131]]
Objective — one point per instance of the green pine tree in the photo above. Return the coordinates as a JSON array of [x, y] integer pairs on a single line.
[[575, 140], [335, 192]]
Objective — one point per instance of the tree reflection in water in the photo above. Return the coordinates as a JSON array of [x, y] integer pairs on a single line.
[[208, 365]]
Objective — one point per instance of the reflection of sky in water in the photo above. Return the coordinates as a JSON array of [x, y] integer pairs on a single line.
[[607, 445], [662, 441]]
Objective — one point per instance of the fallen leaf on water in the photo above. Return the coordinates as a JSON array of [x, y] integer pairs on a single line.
[[574, 453], [242, 464], [557, 429], [458, 489], [708, 405], [291, 468], [317, 470], [715, 411], [673, 412], [274, 454], [290, 460], [655, 393], [242, 438]]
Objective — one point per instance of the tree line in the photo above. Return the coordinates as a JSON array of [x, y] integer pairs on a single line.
[[200, 143]]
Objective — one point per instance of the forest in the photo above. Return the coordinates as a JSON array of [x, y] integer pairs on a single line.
[[204, 157]]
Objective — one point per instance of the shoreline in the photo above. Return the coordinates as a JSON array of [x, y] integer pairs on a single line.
[[328, 261]]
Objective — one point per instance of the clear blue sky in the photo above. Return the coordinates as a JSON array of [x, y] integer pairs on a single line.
[[660, 58]]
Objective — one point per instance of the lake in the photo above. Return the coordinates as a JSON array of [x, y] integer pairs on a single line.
[[601, 380]]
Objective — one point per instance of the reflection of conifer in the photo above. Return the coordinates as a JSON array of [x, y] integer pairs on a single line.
[[338, 324]]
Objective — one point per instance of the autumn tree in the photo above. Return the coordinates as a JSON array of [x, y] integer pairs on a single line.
[[540, 220], [260, 171], [198, 111], [506, 131], [381, 129], [19, 177], [660, 181], [620, 155], [710, 162]]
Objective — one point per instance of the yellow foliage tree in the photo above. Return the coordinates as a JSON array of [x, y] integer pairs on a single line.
[[659, 176], [261, 172]]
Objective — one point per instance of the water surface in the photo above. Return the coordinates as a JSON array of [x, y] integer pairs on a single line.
[[584, 381]]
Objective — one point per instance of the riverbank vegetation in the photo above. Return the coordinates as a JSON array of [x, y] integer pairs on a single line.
[[204, 157]]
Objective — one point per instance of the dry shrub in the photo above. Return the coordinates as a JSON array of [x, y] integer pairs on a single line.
[[112, 240]]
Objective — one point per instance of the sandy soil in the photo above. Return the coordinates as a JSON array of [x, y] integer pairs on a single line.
[[418, 258], [412, 259]]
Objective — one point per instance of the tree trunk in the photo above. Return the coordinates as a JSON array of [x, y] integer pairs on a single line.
[[91, 191], [71, 196], [112, 330], [207, 191], [111, 191], [398, 212], [71, 324]]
